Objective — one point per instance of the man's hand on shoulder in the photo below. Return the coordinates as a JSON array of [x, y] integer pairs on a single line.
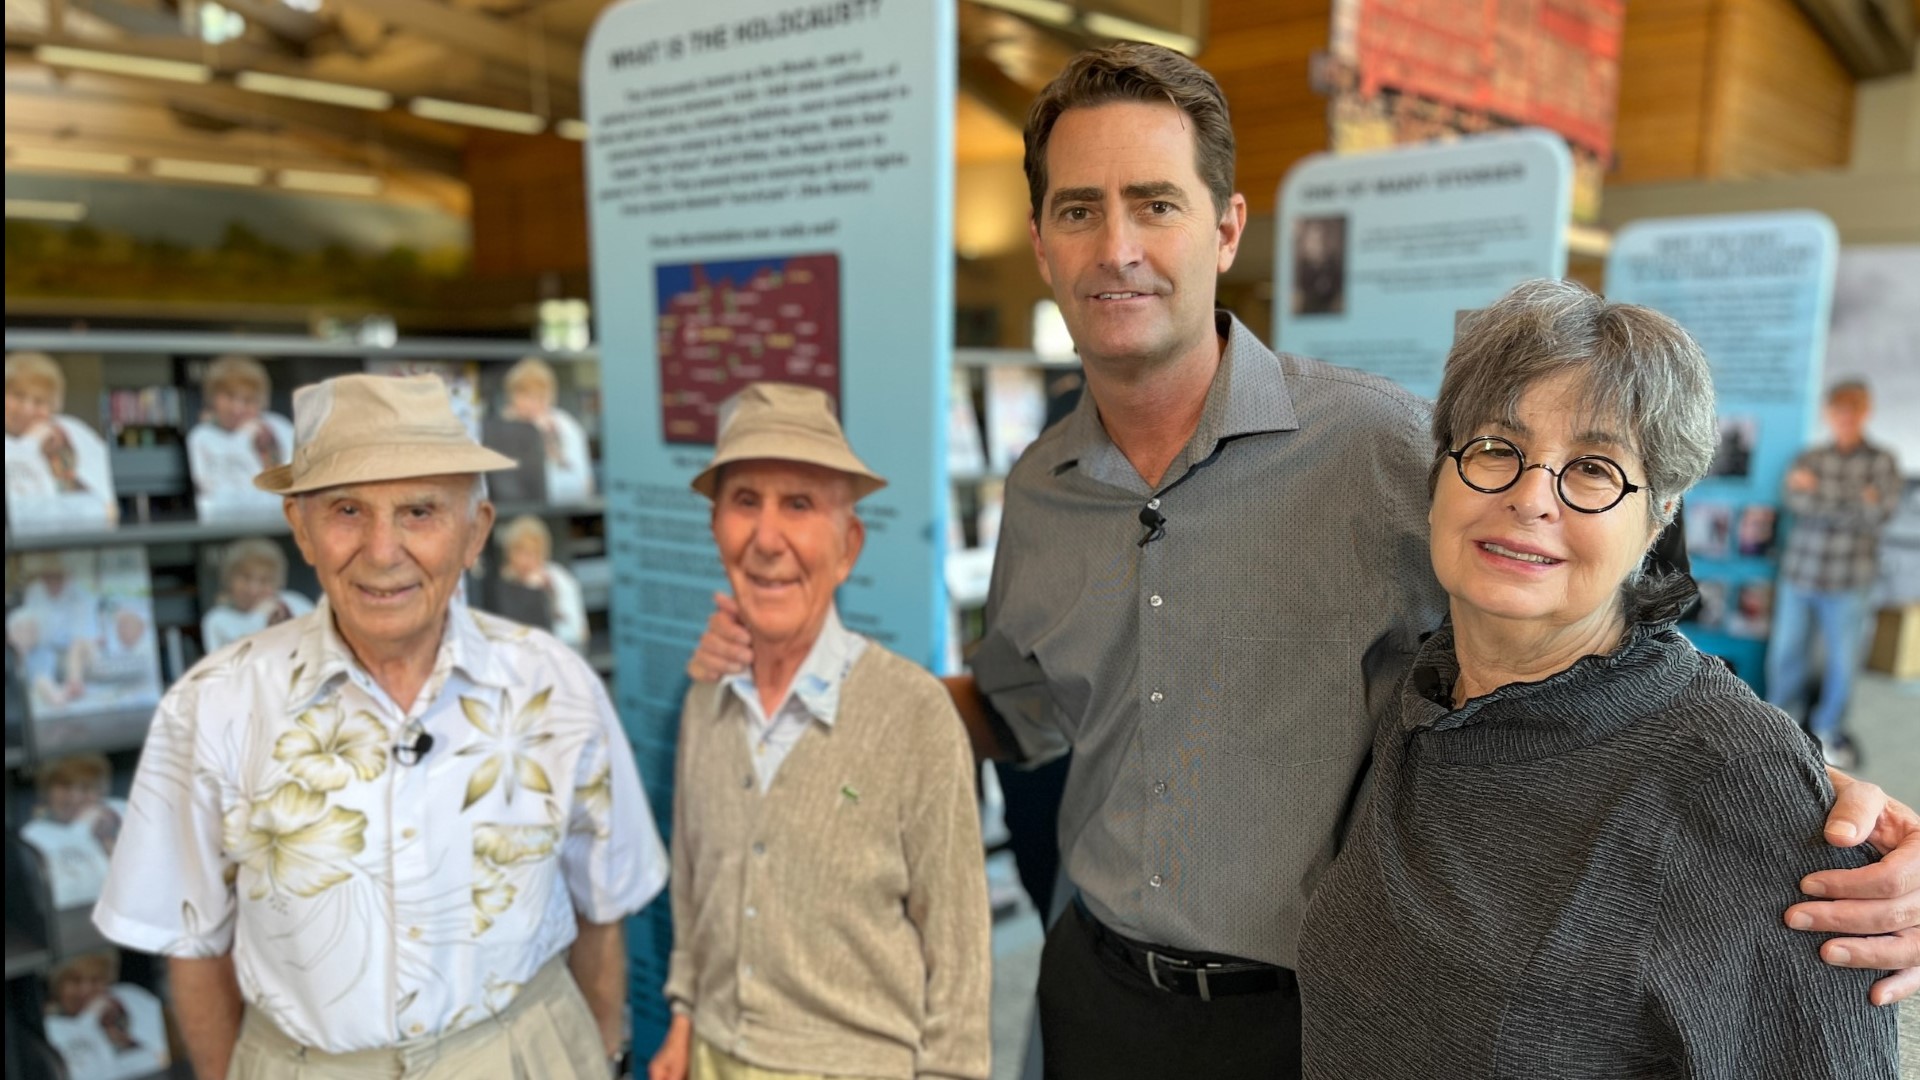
[[1879, 903], [726, 648]]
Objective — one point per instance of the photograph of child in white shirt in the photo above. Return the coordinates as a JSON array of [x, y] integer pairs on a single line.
[[235, 440]]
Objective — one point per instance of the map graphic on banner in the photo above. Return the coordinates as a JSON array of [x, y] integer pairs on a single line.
[[770, 198], [1378, 254], [1755, 290], [726, 324]]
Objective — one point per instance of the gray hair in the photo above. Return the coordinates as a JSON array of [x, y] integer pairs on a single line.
[[1636, 369]]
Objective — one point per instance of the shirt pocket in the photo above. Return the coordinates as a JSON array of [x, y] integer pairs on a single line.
[[1290, 688]]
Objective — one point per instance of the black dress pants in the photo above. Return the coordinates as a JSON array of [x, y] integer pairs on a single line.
[[1100, 1019]]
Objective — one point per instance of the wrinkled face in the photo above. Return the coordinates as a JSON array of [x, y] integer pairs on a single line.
[[788, 538], [526, 558], [252, 583], [1521, 554], [76, 990], [1128, 236], [532, 400], [29, 405], [1846, 418], [389, 556]]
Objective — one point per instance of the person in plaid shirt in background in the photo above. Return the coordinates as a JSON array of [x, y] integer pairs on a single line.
[[1841, 496]]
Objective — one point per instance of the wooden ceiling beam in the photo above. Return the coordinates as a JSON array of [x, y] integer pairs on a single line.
[[482, 35]]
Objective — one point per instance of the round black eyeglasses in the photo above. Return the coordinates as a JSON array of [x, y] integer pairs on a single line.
[[1590, 484]]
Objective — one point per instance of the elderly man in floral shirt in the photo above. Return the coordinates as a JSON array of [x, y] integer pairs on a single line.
[[393, 836]]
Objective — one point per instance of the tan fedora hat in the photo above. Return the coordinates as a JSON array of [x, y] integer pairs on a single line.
[[771, 421], [362, 429]]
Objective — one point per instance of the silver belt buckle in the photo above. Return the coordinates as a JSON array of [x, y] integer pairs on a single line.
[[1199, 975]]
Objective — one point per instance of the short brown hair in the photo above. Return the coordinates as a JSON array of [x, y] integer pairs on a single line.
[[1134, 71], [1853, 393], [76, 770], [238, 374]]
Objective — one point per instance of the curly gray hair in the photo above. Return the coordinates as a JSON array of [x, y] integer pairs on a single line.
[[1637, 369]]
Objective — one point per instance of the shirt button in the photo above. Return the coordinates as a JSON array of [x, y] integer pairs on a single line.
[[413, 932], [416, 1029], [1154, 600], [1156, 881], [408, 834], [1156, 697], [753, 912], [1159, 787]]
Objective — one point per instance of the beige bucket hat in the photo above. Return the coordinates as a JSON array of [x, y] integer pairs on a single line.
[[362, 429], [771, 421]]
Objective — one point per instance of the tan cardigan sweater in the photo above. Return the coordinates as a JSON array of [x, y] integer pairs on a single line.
[[838, 923]]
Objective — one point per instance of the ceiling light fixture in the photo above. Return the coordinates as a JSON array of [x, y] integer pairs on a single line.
[[329, 183], [1051, 12], [209, 172], [46, 210], [122, 64], [571, 129], [1113, 26], [326, 93], [456, 112], [53, 157]]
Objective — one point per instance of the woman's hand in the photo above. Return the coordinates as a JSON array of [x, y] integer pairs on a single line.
[[1879, 903]]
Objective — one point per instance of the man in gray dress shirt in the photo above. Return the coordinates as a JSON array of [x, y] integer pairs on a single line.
[[1210, 578]]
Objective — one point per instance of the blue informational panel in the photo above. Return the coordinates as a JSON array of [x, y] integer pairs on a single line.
[[770, 190], [1378, 254], [1755, 290]]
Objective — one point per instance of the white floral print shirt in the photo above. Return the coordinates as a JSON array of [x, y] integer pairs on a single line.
[[367, 902]]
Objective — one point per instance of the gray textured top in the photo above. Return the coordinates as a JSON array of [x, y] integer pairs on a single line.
[[1584, 877], [1216, 684]]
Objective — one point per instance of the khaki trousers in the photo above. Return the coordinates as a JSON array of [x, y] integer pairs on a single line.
[[547, 1033], [711, 1064]]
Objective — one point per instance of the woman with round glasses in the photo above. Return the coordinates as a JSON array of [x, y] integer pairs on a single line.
[[1580, 835]]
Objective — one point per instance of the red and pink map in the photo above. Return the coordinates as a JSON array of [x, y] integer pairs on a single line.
[[723, 325]]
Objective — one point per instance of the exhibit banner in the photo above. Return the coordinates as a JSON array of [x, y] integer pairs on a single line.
[[1379, 254], [770, 198], [1755, 290]]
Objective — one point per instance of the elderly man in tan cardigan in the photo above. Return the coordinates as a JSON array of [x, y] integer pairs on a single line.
[[829, 894]]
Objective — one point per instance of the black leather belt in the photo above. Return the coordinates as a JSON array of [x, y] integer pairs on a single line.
[[1190, 974]]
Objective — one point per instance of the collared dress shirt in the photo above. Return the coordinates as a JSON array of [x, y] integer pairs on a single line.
[[1218, 683], [1834, 545], [814, 696], [368, 902]]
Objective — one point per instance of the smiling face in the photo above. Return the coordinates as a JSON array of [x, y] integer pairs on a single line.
[[788, 538], [1521, 556], [1128, 237], [389, 556]]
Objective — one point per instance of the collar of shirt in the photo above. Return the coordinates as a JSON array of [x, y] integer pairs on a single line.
[[817, 683], [1248, 396], [322, 658]]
